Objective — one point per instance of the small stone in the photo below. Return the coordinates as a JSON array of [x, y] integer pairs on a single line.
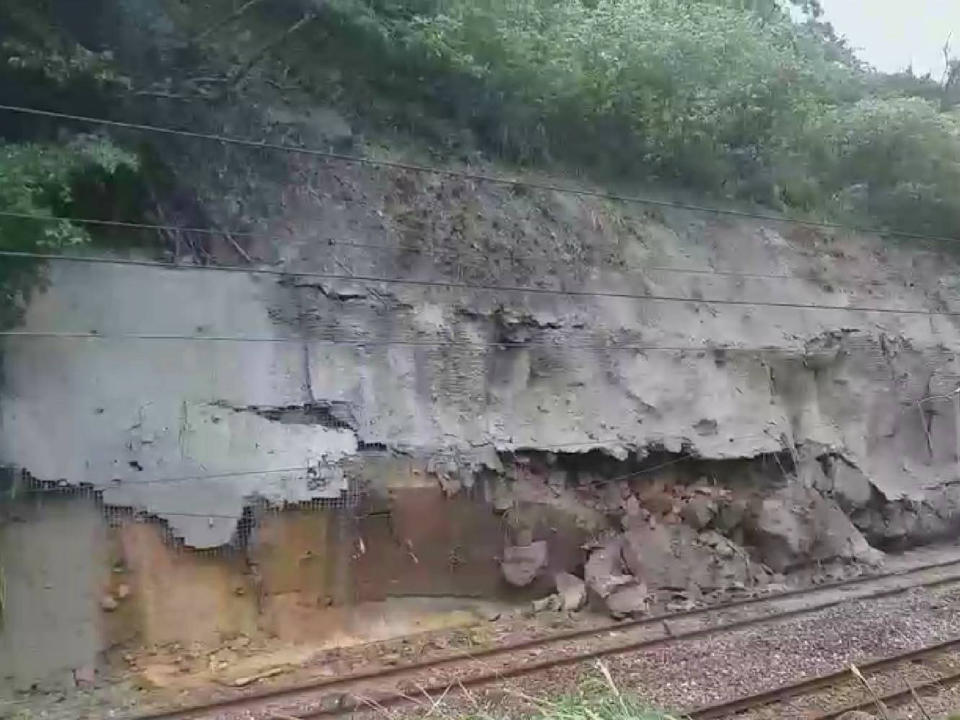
[[549, 603], [632, 506], [123, 591], [108, 603], [85, 676]]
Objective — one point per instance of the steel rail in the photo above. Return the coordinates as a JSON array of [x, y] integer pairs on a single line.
[[347, 704], [895, 698], [819, 682]]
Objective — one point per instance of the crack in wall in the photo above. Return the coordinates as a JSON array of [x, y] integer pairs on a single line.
[[333, 414]]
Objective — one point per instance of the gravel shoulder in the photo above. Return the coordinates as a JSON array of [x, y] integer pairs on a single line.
[[723, 667]]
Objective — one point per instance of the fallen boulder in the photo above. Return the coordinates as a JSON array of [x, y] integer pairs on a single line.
[[677, 557], [522, 563], [851, 488], [796, 525]]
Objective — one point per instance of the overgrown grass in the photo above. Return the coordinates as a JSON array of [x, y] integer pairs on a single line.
[[596, 699]]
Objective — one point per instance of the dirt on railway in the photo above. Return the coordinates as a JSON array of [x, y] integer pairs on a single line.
[[686, 675], [797, 617]]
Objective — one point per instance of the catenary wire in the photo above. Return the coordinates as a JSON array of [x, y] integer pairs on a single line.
[[327, 241], [271, 271], [683, 457], [464, 175], [307, 468], [118, 483], [451, 284]]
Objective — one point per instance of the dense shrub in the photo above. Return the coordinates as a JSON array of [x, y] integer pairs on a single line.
[[41, 180], [729, 96]]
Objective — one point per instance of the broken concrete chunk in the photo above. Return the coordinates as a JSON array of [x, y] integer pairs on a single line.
[[779, 532], [677, 557], [730, 515], [603, 566], [851, 488], [572, 591], [628, 600], [522, 563], [797, 525], [699, 512]]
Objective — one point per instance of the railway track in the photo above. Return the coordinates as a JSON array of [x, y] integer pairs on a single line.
[[435, 677], [933, 668]]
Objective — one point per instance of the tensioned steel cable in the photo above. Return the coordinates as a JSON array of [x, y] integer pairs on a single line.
[[591, 444], [331, 242], [322, 241], [272, 271], [452, 284], [464, 175], [511, 344]]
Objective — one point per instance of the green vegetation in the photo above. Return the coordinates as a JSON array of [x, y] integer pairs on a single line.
[[45, 171], [47, 180], [730, 97], [596, 698]]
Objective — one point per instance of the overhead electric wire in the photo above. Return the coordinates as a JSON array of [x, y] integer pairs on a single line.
[[592, 444], [327, 241], [464, 175], [452, 284], [513, 344], [499, 448], [273, 271]]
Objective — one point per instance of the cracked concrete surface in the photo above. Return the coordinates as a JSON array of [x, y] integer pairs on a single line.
[[755, 379]]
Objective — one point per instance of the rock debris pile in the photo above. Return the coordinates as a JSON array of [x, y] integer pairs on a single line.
[[677, 543]]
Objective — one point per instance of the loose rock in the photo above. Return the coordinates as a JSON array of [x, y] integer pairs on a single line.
[[698, 512], [628, 600], [604, 571], [851, 488], [549, 603], [730, 516], [675, 556], [108, 603], [572, 591], [797, 525]]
